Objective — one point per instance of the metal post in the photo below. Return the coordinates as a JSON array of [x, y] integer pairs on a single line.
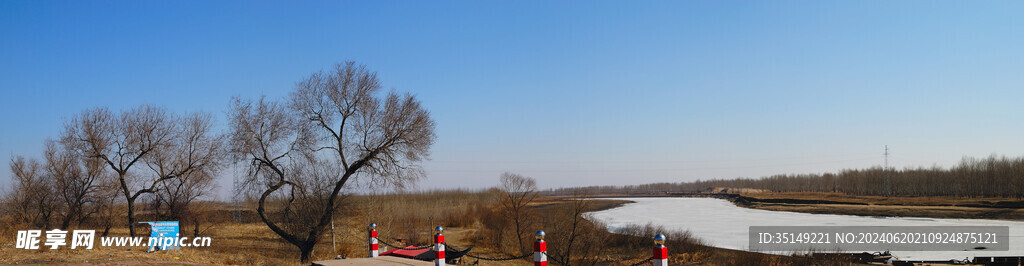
[[540, 249], [373, 240], [660, 251], [439, 247]]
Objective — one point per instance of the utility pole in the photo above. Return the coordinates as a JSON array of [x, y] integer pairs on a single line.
[[888, 188]]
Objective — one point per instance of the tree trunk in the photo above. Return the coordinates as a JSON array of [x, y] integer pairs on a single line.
[[307, 253], [131, 217], [67, 220], [195, 229], [128, 197], [519, 234]]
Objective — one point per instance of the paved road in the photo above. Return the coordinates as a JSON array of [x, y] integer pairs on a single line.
[[382, 260]]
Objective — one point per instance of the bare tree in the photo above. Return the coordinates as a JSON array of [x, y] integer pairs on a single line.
[[33, 200], [576, 211], [333, 129], [519, 191], [145, 134], [186, 167], [108, 215], [77, 182], [173, 198], [120, 142]]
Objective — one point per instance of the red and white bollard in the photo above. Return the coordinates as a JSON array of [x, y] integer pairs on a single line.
[[540, 249], [438, 247], [373, 240], [660, 251]]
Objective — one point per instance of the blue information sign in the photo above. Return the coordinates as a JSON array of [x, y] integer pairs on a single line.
[[165, 235]]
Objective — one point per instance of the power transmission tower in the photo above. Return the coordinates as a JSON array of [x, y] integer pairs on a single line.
[[888, 188]]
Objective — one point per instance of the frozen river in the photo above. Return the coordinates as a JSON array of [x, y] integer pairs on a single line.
[[722, 224]]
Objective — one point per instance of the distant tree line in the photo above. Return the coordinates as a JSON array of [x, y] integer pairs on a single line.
[[973, 177]]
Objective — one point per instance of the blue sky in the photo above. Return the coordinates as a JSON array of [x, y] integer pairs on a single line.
[[569, 92]]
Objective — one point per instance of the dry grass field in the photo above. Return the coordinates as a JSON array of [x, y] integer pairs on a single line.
[[400, 216], [470, 219], [233, 244]]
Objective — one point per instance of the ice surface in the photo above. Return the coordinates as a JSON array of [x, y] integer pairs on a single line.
[[722, 224]]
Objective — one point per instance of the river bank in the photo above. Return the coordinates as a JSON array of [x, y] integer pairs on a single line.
[[723, 224], [838, 203], [684, 248]]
